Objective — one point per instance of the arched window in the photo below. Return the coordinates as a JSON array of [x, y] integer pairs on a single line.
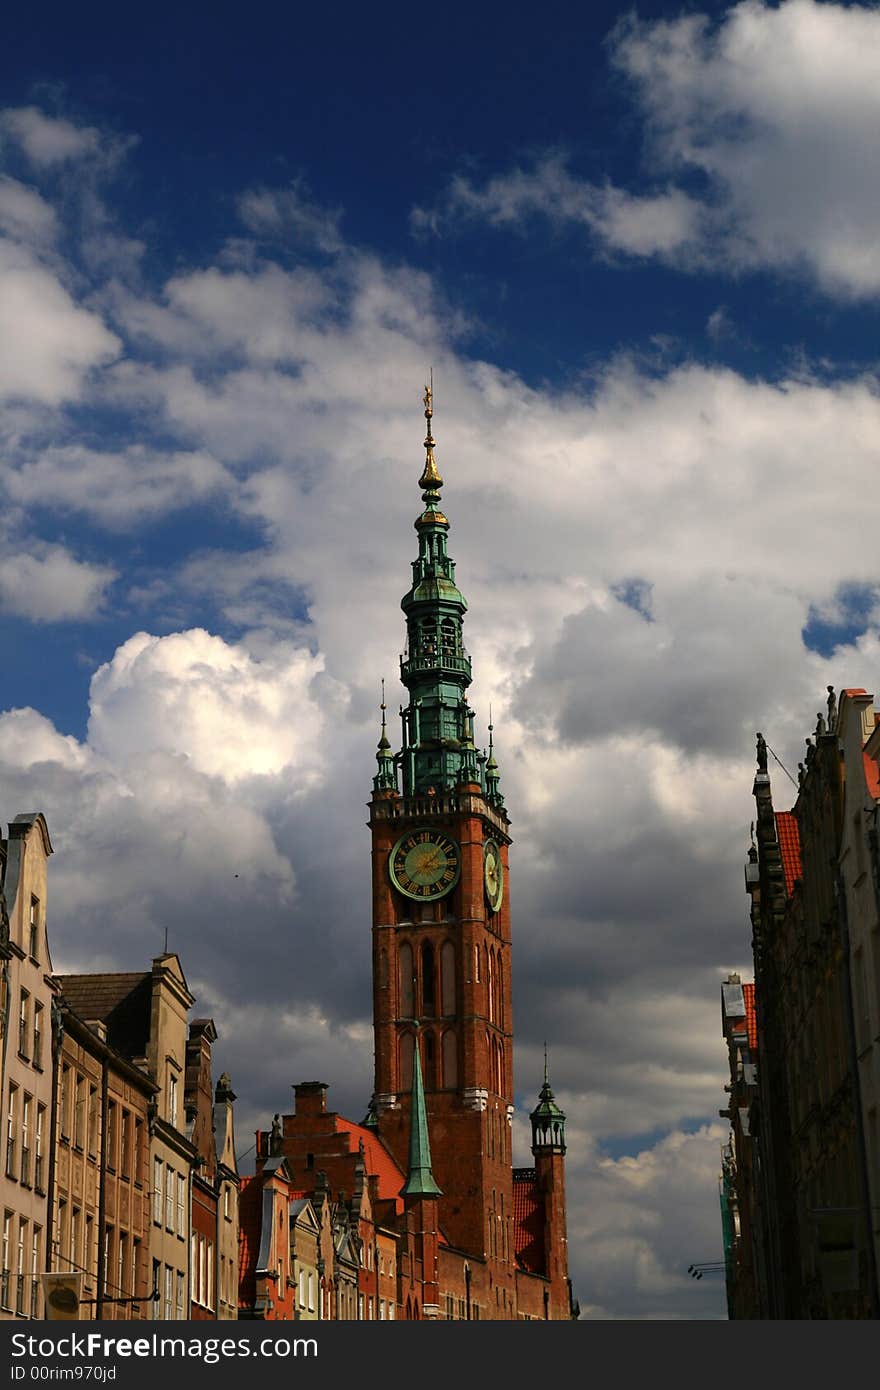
[[447, 978], [450, 1059], [490, 984], [499, 990], [430, 1058], [447, 637], [428, 997], [405, 959], [499, 1086], [406, 1062]]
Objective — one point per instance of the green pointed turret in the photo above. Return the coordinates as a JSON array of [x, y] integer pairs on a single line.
[[548, 1120], [420, 1180], [386, 777]]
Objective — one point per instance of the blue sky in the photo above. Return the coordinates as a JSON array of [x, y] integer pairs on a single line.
[[639, 250]]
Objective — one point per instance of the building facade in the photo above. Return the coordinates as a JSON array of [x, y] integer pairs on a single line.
[[29, 992], [809, 878]]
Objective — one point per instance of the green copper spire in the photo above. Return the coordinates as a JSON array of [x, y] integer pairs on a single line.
[[548, 1121], [436, 670], [420, 1180], [386, 777]]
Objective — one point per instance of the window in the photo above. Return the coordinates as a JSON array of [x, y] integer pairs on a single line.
[[35, 1271], [181, 1206], [7, 1256], [38, 1149], [194, 1265], [34, 929], [26, 1103], [137, 1157], [79, 1118], [208, 1291], [226, 1211], [65, 1102], [112, 1135], [157, 1191], [302, 1288], [108, 1250], [168, 1302], [73, 1252], [155, 1289], [93, 1121], [122, 1263], [135, 1263], [405, 961], [125, 1153], [20, 1267], [23, 1015], [311, 1292], [11, 1127], [202, 1271], [169, 1199], [89, 1250], [172, 1099], [37, 1054], [61, 1228], [180, 1313]]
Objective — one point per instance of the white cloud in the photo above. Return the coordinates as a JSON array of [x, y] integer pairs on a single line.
[[48, 140], [289, 216], [195, 696], [47, 584], [118, 489], [48, 343], [775, 108], [24, 213]]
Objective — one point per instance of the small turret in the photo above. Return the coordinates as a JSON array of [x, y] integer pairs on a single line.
[[386, 777], [548, 1121]]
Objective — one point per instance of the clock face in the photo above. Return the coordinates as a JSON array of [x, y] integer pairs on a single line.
[[493, 874], [424, 864]]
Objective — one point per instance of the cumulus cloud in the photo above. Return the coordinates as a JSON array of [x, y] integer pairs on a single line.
[[774, 109], [48, 343], [290, 216], [47, 584]]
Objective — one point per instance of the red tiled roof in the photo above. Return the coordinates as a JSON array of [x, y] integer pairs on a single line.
[[751, 1017], [528, 1221], [872, 776], [789, 847], [378, 1160], [249, 1220]]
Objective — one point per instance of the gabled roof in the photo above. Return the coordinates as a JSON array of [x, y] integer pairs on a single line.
[[789, 838], [122, 1001], [751, 1017], [528, 1221]]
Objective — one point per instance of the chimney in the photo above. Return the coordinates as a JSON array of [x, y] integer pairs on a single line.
[[311, 1097]]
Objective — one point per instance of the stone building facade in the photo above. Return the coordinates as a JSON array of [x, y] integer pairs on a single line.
[[29, 992]]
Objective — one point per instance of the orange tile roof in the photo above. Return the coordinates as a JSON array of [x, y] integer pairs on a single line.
[[528, 1221], [378, 1160], [249, 1221], [789, 847], [872, 776], [751, 1017]]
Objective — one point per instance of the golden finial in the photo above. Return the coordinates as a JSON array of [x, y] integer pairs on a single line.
[[430, 479]]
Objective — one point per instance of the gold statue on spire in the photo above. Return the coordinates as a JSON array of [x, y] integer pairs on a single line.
[[430, 479]]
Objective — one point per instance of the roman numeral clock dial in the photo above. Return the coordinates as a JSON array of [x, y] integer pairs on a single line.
[[424, 864]]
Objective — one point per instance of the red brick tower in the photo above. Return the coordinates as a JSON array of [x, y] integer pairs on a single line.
[[441, 920]]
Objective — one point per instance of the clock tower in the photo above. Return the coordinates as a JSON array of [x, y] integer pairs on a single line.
[[441, 919]]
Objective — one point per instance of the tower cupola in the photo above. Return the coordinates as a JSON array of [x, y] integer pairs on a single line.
[[548, 1120]]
